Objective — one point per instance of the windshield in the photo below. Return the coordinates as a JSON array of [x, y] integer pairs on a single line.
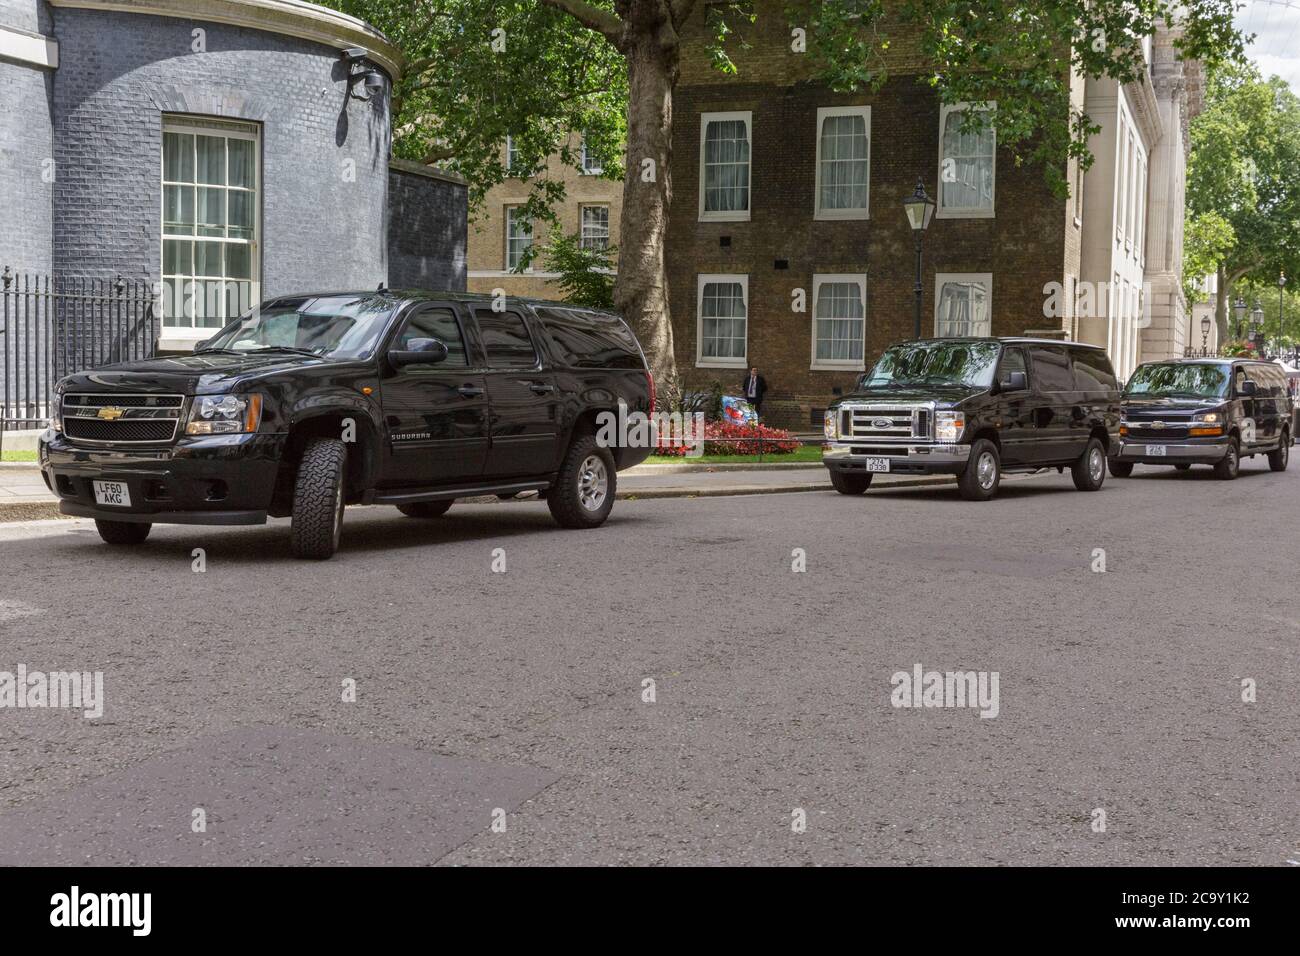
[[935, 363], [1178, 381], [340, 326]]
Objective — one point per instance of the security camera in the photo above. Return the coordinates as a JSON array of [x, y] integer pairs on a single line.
[[374, 82]]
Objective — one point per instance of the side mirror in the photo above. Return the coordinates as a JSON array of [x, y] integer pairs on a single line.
[[1014, 382], [420, 352], [201, 345], [1247, 387]]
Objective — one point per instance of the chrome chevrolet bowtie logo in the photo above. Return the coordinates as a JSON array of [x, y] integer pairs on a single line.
[[1156, 425], [881, 423], [110, 414]]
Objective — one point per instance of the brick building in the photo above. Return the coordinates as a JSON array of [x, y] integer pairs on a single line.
[[788, 195], [591, 209], [225, 150]]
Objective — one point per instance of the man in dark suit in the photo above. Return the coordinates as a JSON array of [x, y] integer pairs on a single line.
[[753, 388]]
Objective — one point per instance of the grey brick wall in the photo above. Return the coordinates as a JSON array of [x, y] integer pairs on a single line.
[[26, 142], [325, 158], [427, 230]]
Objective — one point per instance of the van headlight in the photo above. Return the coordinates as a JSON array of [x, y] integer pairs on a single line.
[[948, 427], [831, 423], [224, 414], [1209, 418]]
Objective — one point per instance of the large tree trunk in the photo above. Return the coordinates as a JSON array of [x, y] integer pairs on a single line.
[[1221, 304], [641, 289]]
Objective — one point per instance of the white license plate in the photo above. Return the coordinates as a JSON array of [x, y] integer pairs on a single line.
[[114, 493], [878, 464], [1155, 451]]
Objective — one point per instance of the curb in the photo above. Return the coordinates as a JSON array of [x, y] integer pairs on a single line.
[[686, 468], [39, 510]]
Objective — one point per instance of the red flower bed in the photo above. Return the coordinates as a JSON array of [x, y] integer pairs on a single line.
[[753, 440]]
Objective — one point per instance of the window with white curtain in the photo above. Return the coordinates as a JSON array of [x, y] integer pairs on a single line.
[[519, 236], [839, 321], [843, 162], [725, 166], [963, 304], [722, 320], [210, 221], [595, 227], [966, 161], [591, 166]]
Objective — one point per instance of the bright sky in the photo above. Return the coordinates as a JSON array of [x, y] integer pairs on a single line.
[[1276, 49]]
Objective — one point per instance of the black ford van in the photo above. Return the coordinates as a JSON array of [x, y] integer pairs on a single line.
[[1204, 412], [975, 408]]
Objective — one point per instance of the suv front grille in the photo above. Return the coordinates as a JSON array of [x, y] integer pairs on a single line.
[[886, 422], [127, 419]]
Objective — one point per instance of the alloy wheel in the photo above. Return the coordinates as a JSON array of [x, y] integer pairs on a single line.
[[593, 483]]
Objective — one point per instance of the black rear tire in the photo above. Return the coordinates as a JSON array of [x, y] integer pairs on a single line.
[[1228, 467], [849, 484], [1120, 469], [123, 533], [1277, 460], [1089, 470], [426, 509], [318, 500], [982, 476], [583, 493]]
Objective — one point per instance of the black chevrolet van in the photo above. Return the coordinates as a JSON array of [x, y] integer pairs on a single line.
[[1204, 412], [976, 408]]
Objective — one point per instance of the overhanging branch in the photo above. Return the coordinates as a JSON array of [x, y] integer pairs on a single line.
[[593, 17]]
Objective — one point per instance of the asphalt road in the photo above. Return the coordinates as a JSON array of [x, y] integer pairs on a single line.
[[517, 697]]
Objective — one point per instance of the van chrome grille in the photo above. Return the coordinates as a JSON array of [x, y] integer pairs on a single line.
[[887, 422], [106, 419]]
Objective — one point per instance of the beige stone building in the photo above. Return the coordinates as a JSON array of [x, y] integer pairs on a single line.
[[499, 236]]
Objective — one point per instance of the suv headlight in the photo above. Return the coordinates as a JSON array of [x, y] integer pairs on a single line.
[[948, 427], [56, 412], [224, 414], [831, 423]]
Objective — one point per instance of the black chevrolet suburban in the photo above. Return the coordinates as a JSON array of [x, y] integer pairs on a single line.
[[1204, 412], [313, 402], [976, 408]]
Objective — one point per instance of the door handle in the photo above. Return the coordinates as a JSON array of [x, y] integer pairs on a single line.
[[541, 388], [470, 391]]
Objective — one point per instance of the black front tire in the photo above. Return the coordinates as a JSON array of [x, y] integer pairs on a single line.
[[1089, 469], [1277, 460], [583, 493], [426, 509], [1120, 469], [982, 476], [123, 533], [850, 484], [318, 493], [1227, 468]]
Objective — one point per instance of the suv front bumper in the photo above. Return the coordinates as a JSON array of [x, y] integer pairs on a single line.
[[903, 459], [217, 479], [1176, 453]]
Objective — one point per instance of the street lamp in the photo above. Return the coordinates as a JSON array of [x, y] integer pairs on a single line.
[[1257, 325], [1281, 284], [1239, 307], [1205, 334], [919, 208]]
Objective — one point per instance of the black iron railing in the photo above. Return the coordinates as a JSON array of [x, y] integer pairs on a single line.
[[51, 326]]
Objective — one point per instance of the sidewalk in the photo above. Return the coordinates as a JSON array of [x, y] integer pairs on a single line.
[[24, 497]]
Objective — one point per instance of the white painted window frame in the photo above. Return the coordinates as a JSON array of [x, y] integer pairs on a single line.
[[726, 215], [702, 280], [824, 113], [837, 365], [942, 277], [506, 209], [966, 212]]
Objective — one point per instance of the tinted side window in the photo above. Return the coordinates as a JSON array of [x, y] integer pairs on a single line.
[[1092, 370], [506, 339], [1052, 369], [590, 339], [1013, 360], [437, 324]]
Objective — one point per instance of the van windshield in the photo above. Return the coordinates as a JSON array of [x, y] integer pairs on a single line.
[[1176, 380], [969, 364], [340, 326]]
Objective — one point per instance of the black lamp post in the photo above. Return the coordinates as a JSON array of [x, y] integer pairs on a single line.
[[1205, 334], [919, 208], [1281, 284], [1239, 307], [1257, 327]]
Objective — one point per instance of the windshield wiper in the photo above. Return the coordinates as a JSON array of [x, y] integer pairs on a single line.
[[219, 351], [285, 348]]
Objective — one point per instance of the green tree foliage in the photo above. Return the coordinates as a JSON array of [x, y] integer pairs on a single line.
[[586, 275], [1243, 184]]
